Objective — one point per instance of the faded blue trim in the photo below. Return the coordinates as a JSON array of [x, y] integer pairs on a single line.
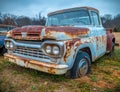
[[2, 39]]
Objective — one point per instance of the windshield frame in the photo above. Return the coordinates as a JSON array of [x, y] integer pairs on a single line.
[[67, 11]]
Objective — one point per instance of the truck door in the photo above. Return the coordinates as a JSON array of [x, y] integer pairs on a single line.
[[98, 34]]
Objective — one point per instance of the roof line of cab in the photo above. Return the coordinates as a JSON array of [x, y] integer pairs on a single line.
[[70, 9]]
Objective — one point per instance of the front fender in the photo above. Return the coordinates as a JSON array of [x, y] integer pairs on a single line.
[[72, 48]]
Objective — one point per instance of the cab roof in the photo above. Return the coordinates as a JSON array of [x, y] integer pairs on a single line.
[[72, 9]]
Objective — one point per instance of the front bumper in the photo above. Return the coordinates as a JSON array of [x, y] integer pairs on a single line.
[[37, 65]]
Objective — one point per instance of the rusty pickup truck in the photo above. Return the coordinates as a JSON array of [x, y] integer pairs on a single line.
[[71, 40]]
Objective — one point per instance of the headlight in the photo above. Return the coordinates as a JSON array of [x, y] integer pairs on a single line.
[[53, 49], [48, 49], [11, 45], [7, 44], [56, 50]]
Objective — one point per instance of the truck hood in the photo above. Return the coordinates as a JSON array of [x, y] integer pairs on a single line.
[[43, 32]]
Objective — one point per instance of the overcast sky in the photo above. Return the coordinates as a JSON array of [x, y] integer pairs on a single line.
[[32, 7]]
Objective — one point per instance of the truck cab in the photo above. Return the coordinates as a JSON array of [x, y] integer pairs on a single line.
[[71, 40]]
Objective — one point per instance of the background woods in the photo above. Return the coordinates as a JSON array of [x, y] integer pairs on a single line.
[[10, 19], [108, 20]]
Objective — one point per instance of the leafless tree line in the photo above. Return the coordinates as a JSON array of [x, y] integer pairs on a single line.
[[10, 19], [111, 22], [108, 20]]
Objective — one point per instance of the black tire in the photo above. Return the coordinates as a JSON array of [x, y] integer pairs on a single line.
[[0, 50], [3, 50], [82, 65], [113, 48]]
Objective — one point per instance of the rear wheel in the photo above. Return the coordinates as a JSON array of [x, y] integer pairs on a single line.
[[82, 65], [113, 48]]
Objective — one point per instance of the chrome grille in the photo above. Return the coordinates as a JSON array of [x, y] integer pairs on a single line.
[[32, 52]]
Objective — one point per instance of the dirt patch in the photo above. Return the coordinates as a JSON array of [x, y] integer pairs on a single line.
[[100, 83], [116, 74]]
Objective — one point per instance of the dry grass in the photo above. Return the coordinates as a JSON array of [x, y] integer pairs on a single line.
[[117, 37], [104, 77]]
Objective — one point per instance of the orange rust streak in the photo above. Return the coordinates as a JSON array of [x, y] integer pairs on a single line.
[[15, 57], [34, 32], [69, 45], [27, 38], [68, 30], [51, 70]]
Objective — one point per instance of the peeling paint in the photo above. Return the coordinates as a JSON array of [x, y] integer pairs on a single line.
[[57, 33]]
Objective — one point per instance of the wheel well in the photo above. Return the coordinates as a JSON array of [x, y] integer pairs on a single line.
[[87, 50]]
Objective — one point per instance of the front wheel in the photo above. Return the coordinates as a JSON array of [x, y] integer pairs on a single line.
[[82, 65]]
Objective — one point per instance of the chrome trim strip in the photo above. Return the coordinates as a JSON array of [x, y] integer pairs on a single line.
[[33, 58], [24, 44]]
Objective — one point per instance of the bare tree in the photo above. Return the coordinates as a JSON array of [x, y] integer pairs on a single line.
[[110, 22], [39, 20], [9, 19], [23, 20]]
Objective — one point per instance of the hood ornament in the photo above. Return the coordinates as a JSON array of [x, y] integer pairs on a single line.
[[24, 34], [43, 32]]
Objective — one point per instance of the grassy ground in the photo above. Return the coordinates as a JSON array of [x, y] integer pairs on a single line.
[[117, 37], [104, 77]]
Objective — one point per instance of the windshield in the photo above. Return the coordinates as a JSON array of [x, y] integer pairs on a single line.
[[79, 17]]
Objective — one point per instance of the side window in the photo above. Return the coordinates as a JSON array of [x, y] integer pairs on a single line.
[[95, 18]]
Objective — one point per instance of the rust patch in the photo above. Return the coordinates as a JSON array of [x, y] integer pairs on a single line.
[[77, 43], [35, 32], [97, 43], [68, 50], [32, 33], [103, 41], [70, 31], [43, 64], [14, 57], [110, 37], [69, 45], [51, 71]]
